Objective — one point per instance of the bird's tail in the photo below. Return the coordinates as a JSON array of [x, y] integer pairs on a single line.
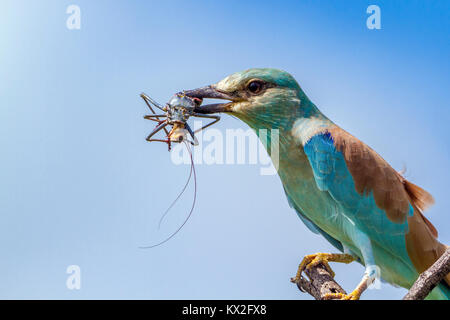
[[441, 292], [423, 246]]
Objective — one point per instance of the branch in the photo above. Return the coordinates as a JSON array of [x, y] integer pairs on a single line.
[[321, 283], [430, 278]]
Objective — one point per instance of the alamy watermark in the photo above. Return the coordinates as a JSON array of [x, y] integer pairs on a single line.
[[73, 22], [237, 146], [374, 20], [73, 281]]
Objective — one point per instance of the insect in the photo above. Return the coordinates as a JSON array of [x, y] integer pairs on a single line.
[[176, 114]]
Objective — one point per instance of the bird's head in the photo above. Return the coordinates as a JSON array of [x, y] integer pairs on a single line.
[[260, 97]]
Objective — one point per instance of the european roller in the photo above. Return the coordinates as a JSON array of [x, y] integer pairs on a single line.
[[338, 186]]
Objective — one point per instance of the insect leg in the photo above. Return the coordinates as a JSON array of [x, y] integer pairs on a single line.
[[188, 128], [149, 100], [157, 129], [216, 119], [150, 116], [155, 117]]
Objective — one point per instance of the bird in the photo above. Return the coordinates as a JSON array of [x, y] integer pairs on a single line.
[[339, 187]]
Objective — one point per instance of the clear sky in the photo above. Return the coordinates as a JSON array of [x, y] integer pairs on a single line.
[[79, 185]]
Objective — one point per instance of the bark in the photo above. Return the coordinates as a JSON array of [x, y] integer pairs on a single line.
[[320, 284], [430, 278]]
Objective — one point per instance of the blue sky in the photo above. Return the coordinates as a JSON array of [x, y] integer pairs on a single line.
[[79, 184]]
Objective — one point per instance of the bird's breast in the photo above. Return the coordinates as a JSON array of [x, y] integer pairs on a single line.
[[298, 180]]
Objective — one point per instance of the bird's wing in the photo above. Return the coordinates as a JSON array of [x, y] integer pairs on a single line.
[[313, 227], [376, 197]]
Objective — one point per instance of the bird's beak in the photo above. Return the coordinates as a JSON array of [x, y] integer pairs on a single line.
[[211, 92]]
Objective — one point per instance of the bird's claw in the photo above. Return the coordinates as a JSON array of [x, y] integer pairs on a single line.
[[355, 295], [312, 260]]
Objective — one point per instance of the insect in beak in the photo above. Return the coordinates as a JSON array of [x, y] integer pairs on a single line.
[[174, 119]]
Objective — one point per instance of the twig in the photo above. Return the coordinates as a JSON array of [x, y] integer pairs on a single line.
[[321, 283], [430, 278]]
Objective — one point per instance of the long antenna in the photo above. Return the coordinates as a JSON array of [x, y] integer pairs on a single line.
[[192, 208], [178, 197]]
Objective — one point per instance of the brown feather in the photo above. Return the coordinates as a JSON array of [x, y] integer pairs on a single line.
[[421, 198], [371, 173], [422, 246], [393, 194]]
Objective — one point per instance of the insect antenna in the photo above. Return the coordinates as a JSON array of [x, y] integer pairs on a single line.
[[192, 207], [178, 197]]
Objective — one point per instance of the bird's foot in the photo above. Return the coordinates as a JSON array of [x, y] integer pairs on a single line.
[[312, 260], [355, 295], [369, 277]]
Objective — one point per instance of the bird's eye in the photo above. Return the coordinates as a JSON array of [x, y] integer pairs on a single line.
[[255, 87]]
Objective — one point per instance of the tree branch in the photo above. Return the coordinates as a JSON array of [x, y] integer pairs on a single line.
[[430, 278], [321, 283]]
